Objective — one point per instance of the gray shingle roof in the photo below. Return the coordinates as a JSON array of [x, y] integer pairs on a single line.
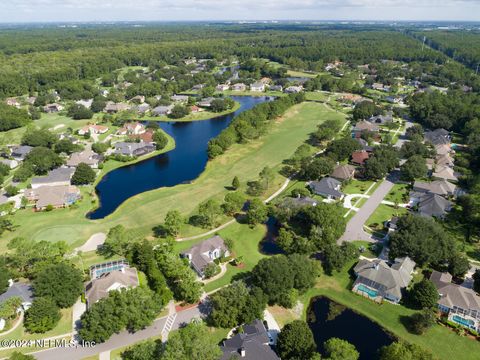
[[98, 289], [433, 205], [343, 172], [439, 187], [454, 295], [54, 176], [198, 260], [327, 187], [387, 279], [253, 341], [22, 290]]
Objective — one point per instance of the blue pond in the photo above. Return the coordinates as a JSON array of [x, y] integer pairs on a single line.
[[367, 336], [181, 165]]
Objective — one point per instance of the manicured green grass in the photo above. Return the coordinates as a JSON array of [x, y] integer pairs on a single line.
[[355, 186], [398, 194], [295, 73], [371, 251], [442, 342], [317, 96], [381, 214]]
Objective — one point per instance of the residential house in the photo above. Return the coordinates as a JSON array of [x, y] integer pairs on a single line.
[[293, 89], [265, 80], [380, 87], [132, 128], [85, 103], [437, 137], [239, 87], [443, 149], [378, 280], [18, 289], [222, 87], [93, 129], [56, 177], [444, 160], [343, 172], [147, 136], [57, 196], [251, 344], [459, 304], [142, 108], [445, 173], [112, 107], [87, 156], [352, 98], [13, 102], [198, 87], [207, 102], [179, 98], [52, 108], [12, 164], [359, 157], [19, 153], [205, 253], [133, 148], [364, 126], [276, 88], [257, 86], [114, 280], [439, 187], [364, 144], [195, 109], [382, 119], [433, 205], [162, 110], [328, 187]]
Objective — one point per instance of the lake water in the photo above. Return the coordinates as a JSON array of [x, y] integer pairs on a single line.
[[367, 336], [181, 165]]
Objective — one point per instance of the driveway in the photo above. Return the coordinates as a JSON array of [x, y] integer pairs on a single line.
[[354, 230], [124, 338]]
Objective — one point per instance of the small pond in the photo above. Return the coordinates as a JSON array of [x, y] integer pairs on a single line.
[[328, 319]]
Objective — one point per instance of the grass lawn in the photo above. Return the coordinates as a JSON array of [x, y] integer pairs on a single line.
[[246, 242], [148, 209], [64, 326], [317, 96], [296, 73], [381, 214], [355, 186], [398, 194], [442, 342], [371, 249]]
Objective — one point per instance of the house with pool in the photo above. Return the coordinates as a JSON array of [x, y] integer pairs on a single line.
[[379, 280], [459, 304]]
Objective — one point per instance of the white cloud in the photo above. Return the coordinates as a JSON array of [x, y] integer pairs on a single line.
[[57, 10]]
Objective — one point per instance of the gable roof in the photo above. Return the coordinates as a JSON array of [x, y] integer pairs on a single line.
[[437, 137], [359, 157], [389, 279], [442, 149], [22, 290], [445, 172], [98, 289], [433, 205], [253, 341], [343, 172], [365, 126], [197, 251], [454, 295], [60, 195], [444, 160], [326, 186], [87, 156], [54, 176], [439, 187]]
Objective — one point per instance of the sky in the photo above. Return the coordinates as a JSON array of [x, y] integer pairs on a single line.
[[174, 10]]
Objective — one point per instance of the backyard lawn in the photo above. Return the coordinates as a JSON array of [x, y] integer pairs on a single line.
[[444, 343], [398, 194], [381, 214]]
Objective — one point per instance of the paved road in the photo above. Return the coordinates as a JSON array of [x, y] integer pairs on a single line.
[[354, 230], [119, 340]]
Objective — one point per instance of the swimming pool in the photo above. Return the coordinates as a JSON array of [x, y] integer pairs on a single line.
[[369, 292], [462, 321]]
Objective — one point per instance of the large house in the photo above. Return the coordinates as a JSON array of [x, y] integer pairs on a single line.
[[57, 196], [445, 173], [52, 108], [132, 128], [364, 126], [378, 280], [19, 153], [359, 157], [433, 205], [134, 148], [162, 110], [293, 89], [205, 253], [437, 137], [257, 86], [222, 87], [93, 129], [251, 344], [87, 156], [444, 160], [179, 98], [239, 87], [328, 187], [439, 187], [56, 177], [343, 172], [113, 280], [112, 108], [86, 103], [460, 304]]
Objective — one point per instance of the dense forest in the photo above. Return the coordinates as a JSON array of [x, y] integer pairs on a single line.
[[41, 58]]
